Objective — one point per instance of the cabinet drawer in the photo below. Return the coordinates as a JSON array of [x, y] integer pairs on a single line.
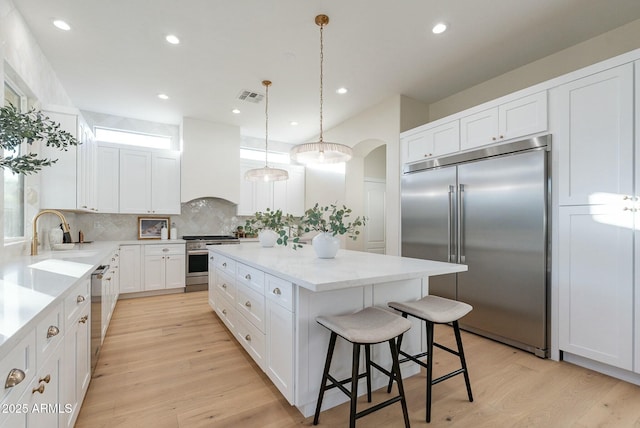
[[250, 277], [75, 301], [225, 264], [22, 357], [49, 333], [252, 340], [225, 311], [279, 291], [163, 249], [250, 304], [225, 285]]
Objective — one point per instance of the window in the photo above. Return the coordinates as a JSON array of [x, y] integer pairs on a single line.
[[13, 183], [274, 157], [119, 136]]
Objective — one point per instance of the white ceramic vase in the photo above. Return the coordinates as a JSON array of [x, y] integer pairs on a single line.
[[267, 237], [325, 245]]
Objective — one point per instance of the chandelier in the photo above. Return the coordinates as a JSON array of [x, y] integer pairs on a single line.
[[266, 173], [321, 151]]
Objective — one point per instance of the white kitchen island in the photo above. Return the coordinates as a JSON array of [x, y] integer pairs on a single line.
[[269, 299]]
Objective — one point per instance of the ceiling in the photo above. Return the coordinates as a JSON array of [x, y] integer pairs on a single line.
[[115, 59]]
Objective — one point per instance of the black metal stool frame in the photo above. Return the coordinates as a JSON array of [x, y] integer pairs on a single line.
[[356, 375], [429, 366]]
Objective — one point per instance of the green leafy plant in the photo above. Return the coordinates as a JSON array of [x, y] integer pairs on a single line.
[[17, 128], [332, 219], [273, 220]]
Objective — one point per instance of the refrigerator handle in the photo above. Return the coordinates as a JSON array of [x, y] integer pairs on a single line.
[[461, 224], [450, 220]]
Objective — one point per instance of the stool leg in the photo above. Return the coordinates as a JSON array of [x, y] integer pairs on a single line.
[[463, 361], [395, 372], [404, 315], [354, 384], [325, 374], [429, 329], [367, 352]]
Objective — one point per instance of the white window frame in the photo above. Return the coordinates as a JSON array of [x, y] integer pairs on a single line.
[[132, 134]]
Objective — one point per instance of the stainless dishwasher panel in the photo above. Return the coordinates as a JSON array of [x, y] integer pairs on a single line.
[[96, 313]]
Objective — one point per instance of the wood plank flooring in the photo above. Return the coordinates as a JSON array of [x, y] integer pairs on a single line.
[[168, 361]]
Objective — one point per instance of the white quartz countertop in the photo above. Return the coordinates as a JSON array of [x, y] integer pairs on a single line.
[[347, 269]]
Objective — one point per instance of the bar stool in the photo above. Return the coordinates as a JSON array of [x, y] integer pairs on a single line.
[[366, 327], [435, 310]]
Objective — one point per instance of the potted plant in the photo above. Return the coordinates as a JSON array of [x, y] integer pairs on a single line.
[[270, 226], [17, 127], [330, 221]]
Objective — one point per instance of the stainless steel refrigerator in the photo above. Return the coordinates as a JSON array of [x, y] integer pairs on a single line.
[[487, 209]]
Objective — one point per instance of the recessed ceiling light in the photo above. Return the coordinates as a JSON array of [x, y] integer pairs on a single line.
[[293, 123], [439, 28], [235, 111], [163, 96], [62, 25], [342, 90], [174, 40]]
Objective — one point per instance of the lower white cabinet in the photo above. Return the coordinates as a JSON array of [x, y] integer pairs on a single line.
[[130, 267], [164, 266], [279, 333]]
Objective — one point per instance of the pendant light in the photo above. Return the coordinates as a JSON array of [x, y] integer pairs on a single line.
[[266, 173], [321, 151]]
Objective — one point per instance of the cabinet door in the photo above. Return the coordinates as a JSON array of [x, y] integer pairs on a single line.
[[592, 122], [288, 195], [174, 271], [165, 183], [280, 361], [479, 129], [108, 179], [524, 116], [435, 141], [154, 273], [130, 273], [135, 181], [212, 280], [86, 170], [596, 283], [51, 408]]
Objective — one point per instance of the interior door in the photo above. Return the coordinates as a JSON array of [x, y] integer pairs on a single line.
[[428, 222], [374, 209]]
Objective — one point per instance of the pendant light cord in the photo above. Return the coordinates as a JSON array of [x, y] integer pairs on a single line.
[[266, 125], [321, 78]]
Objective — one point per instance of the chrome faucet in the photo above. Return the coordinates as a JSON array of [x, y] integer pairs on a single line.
[[34, 239]]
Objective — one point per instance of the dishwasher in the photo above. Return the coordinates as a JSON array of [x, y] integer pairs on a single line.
[[97, 283]]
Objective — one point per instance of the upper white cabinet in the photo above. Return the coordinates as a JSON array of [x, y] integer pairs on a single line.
[[430, 140], [108, 179], [149, 182], [287, 195], [593, 136], [513, 119], [69, 184]]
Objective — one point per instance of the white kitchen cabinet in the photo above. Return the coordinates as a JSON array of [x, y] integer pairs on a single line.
[[69, 184], [279, 364], [149, 182], [130, 269], [164, 266], [108, 179], [286, 195], [430, 140], [212, 281], [517, 118], [593, 137]]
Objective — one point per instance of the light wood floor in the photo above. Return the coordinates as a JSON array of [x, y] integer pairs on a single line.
[[168, 361]]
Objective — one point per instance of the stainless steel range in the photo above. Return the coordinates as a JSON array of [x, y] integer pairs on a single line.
[[197, 269]]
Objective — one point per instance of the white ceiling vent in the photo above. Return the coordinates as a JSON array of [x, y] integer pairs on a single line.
[[250, 96]]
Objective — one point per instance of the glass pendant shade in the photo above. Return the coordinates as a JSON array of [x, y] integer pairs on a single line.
[[266, 173], [320, 152]]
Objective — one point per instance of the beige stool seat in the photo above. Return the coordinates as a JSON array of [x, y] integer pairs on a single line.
[[435, 310], [364, 328]]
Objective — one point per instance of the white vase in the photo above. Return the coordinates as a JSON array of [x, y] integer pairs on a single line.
[[267, 237], [325, 245]]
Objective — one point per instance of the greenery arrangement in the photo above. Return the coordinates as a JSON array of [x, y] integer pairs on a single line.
[[17, 128], [332, 219], [273, 220]]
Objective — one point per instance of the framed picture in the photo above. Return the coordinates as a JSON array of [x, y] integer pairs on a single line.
[[149, 227]]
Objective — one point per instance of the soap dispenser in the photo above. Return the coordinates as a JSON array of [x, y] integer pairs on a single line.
[[164, 232], [174, 231]]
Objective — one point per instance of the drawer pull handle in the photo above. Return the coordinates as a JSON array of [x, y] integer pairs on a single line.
[[224, 312], [224, 264], [277, 291], [79, 299], [84, 319], [211, 258], [52, 331], [248, 338], [248, 277], [165, 250], [39, 389], [15, 377], [224, 286], [248, 304], [45, 379]]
